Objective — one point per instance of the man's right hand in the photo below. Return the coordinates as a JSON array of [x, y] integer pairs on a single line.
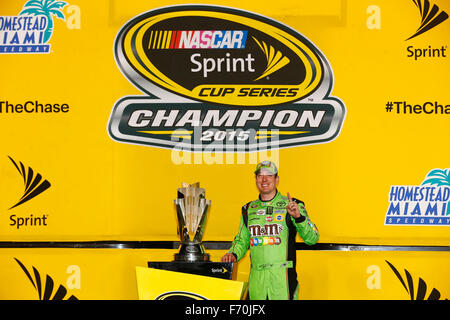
[[228, 257]]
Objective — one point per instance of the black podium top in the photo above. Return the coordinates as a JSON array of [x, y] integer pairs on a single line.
[[223, 270]]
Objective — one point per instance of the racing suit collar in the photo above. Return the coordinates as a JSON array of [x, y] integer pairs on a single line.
[[276, 194]]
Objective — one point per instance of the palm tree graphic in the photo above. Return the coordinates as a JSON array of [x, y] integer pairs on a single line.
[[46, 8], [439, 177]]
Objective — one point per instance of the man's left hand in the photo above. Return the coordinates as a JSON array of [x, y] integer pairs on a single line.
[[292, 207]]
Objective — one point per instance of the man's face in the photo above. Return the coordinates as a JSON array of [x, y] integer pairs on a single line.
[[266, 183]]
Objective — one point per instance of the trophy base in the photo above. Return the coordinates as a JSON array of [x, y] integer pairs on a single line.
[[192, 253], [192, 258]]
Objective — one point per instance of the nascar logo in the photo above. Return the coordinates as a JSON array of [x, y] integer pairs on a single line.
[[232, 80], [279, 217], [197, 39]]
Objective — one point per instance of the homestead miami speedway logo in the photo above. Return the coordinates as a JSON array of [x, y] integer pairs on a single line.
[[31, 30], [222, 79], [427, 204]]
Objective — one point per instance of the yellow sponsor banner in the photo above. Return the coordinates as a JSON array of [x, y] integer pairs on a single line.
[[368, 275], [88, 149], [155, 284], [367, 184], [85, 274]]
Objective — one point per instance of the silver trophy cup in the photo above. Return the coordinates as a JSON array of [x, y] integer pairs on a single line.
[[192, 211]]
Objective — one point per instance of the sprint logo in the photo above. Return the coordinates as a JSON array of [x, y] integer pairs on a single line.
[[431, 16], [275, 59], [45, 285], [418, 292], [34, 183]]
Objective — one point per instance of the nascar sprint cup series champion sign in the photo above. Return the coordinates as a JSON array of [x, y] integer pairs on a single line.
[[222, 79]]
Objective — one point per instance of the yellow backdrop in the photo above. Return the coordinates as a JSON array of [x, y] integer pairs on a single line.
[[101, 189]]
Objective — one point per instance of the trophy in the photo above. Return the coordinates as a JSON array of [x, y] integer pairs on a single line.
[[192, 210]]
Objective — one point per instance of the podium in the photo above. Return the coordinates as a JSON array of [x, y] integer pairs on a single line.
[[222, 270], [178, 280], [191, 275]]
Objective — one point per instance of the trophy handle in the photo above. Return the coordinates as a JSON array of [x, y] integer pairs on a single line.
[[201, 226], [182, 230]]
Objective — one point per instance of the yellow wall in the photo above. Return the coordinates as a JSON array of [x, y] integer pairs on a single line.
[[102, 189], [111, 273]]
